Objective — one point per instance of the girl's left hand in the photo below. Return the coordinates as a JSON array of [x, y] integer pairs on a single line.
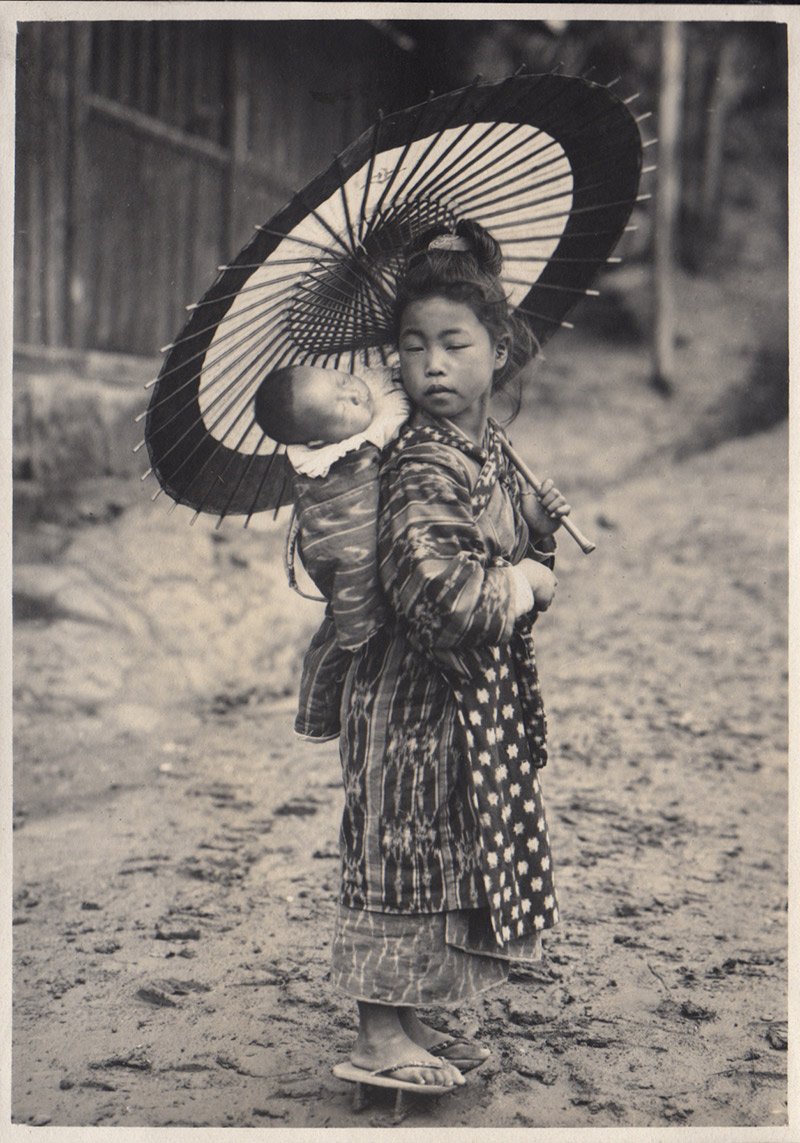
[[543, 514]]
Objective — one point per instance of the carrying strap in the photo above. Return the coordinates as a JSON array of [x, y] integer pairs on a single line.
[[290, 555]]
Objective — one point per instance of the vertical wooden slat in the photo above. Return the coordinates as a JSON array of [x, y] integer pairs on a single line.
[[164, 278], [144, 68], [182, 76], [204, 64], [127, 62], [21, 242], [103, 78], [221, 92], [163, 34], [79, 232], [55, 204], [36, 193], [238, 95], [189, 96], [28, 121], [130, 245]]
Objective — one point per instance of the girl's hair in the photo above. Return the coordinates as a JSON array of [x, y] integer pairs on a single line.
[[465, 266]]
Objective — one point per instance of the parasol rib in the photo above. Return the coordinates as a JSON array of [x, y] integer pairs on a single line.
[[540, 285], [512, 106], [206, 301], [587, 124], [262, 483], [230, 316], [368, 180], [434, 140], [496, 97], [225, 337], [245, 472], [560, 214], [398, 165], [160, 399], [521, 172], [239, 379], [572, 194], [218, 476], [467, 177], [345, 205]]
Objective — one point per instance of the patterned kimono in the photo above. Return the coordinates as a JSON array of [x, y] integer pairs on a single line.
[[337, 516], [443, 728], [335, 491]]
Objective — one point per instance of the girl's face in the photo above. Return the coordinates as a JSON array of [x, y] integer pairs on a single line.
[[448, 360]]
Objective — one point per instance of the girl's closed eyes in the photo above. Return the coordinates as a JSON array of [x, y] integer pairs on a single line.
[[448, 359]]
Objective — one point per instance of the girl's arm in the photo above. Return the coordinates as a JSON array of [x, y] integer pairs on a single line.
[[432, 561]]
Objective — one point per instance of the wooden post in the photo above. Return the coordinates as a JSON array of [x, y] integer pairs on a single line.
[[667, 202], [724, 95]]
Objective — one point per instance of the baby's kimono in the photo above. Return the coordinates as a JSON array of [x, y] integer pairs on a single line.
[[336, 500]]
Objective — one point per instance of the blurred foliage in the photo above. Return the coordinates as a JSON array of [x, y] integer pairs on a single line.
[[732, 222], [734, 107]]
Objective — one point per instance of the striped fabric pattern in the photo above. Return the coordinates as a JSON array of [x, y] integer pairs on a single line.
[[422, 958], [338, 518], [325, 667], [409, 830], [407, 960]]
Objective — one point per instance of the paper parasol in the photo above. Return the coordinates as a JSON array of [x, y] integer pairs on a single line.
[[549, 164]]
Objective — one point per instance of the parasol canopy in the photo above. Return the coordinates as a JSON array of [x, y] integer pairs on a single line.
[[549, 164]]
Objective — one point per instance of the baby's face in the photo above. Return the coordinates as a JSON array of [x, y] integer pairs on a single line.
[[330, 406]]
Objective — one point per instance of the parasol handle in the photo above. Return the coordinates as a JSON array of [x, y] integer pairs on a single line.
[[585, 545]]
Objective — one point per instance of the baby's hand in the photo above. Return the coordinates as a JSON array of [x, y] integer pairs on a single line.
[[543, 582], [543, 514]]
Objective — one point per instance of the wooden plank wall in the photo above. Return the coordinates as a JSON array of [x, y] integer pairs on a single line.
[[146, 153], [41, 187]]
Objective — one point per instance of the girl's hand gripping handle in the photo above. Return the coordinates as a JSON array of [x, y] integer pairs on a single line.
[[583, 543]]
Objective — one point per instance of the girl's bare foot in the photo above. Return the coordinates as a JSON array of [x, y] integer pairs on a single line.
[[465, 1051], [382, 1043]]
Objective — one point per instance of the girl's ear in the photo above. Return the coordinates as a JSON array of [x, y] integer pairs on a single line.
[[500, 354]]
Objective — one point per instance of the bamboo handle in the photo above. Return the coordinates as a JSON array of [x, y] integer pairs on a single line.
[[585, 545]]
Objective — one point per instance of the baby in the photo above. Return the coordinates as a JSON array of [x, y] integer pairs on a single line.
[[307, 405], [335, 425]]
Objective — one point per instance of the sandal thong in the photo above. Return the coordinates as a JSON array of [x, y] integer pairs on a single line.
[[468, 1063]]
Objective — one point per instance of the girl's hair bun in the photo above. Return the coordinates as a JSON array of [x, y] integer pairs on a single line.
[[483, 246], [468, 237]]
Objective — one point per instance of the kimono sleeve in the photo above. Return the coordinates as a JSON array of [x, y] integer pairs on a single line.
[[433, 563]]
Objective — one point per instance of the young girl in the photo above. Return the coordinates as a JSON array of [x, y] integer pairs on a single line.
[[446, 865]]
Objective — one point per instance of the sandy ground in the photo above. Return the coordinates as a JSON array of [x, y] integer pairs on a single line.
[[175, 850]]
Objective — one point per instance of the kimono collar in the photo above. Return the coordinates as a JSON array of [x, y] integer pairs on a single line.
[[442, 431]]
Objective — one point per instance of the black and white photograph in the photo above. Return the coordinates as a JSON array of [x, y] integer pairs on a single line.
[[398, 672]]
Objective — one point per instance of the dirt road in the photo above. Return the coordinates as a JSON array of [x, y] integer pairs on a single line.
[[175, 856]]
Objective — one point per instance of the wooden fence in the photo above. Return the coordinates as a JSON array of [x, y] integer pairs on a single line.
[[147, 151]]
